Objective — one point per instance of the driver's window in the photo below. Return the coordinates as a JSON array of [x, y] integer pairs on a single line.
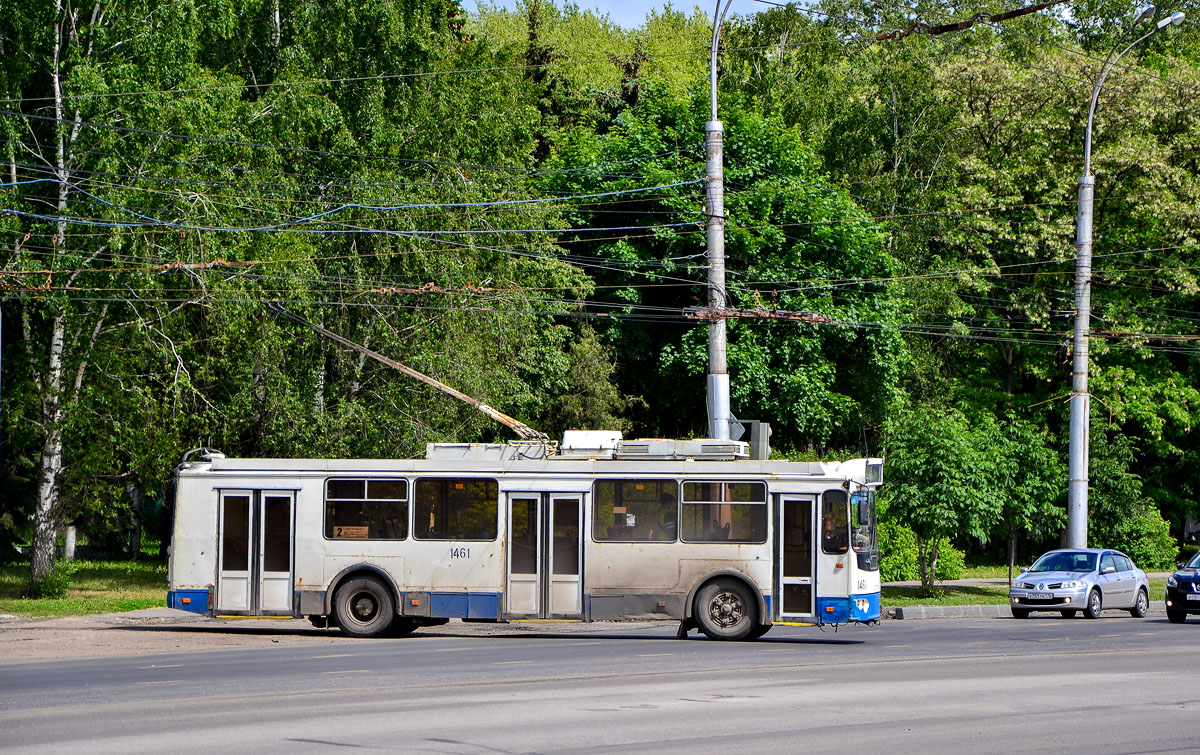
[[1106, 562]]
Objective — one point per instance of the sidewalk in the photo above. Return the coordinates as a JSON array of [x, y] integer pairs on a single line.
[[973, 611]]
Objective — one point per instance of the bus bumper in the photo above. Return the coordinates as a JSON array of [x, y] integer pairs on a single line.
[[855, 609], [864, 607], [194, 601]]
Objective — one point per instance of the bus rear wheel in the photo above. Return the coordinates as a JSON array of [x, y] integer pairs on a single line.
[[364, 607], [725, 610]]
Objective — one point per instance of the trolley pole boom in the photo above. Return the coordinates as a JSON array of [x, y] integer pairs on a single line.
[[520, 428]]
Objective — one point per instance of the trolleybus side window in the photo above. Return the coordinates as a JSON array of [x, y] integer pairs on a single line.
[[733, 512], [635, 510], [835, 527], [366, 509], [455, 508]]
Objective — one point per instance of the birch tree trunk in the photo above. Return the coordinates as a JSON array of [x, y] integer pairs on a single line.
[[46, 514], [45, 521]]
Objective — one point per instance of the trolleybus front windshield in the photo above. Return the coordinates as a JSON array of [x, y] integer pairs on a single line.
[[862, 521], [863, 532]]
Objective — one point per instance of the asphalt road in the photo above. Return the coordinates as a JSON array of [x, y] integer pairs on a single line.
[[962, 685]]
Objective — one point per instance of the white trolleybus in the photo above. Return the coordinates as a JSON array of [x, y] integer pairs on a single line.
[[599, 528]]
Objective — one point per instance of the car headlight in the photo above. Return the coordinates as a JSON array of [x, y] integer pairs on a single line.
[[1171, 581], [1072, 585]]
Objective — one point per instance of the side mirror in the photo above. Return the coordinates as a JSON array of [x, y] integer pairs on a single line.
[[1024, 569], [1109, 570]]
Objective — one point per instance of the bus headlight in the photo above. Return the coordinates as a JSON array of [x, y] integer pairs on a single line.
[[862, 604]]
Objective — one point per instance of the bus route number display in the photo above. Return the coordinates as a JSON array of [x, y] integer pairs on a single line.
[[350, 532]]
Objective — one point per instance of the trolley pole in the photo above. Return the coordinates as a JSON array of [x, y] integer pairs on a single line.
[[719, 413]]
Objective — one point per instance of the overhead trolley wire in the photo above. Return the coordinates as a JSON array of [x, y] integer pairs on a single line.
[[286, 226]]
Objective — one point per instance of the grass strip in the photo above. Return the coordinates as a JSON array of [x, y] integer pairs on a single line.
[[97, 587]]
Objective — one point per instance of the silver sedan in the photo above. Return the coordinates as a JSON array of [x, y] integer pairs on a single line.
[[1080, 579]]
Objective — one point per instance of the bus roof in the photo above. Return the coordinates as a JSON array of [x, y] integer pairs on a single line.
[[863, 471]]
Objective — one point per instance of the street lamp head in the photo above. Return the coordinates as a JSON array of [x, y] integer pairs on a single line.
[[1146, 13], [1175, 19]]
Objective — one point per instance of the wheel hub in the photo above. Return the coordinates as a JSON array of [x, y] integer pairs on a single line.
[[364, 607], [726, 609]]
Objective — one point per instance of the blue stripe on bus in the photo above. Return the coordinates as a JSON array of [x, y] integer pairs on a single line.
[[767, 602], [195, 601], [462, 605]]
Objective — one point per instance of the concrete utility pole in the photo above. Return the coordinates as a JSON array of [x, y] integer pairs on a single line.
[[1077, 460], [719, 413]]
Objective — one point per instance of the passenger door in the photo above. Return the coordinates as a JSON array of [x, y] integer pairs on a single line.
[[255, 559], [1112, 584], [1129, 585], [544, 555], [796, 556]]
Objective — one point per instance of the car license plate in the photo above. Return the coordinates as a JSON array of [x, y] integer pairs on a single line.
[[1193, 597], [1042, 595]]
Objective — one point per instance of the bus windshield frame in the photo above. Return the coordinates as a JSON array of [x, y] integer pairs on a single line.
[[864, 531]]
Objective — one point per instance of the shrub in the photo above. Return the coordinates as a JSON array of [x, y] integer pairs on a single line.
[[897, 552], [1144, 536], [55, 584], [1187, 550], [952, 562], [898, 557]]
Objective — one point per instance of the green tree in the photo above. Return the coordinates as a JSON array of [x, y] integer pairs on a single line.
[[165, 240], [1119, 515], [1032, 480], [793, 243], [64, 66], [943, 480]]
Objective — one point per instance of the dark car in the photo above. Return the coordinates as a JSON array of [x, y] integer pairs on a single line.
[[1183, 591]]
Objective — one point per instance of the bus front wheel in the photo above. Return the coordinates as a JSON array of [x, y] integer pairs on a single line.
[[725, 610], [364, 607]]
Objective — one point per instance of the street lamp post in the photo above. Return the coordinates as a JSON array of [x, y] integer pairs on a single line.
[[719, 413], [1077, 462]]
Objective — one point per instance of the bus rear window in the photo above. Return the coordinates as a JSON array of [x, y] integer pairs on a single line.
[[365, 509], [719, 512], [638, 510], [455, 508]]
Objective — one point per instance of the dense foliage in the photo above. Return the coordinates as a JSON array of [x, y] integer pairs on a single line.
[[512, 201]]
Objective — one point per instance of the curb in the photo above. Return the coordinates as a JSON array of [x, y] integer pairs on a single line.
[[910, 613]]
